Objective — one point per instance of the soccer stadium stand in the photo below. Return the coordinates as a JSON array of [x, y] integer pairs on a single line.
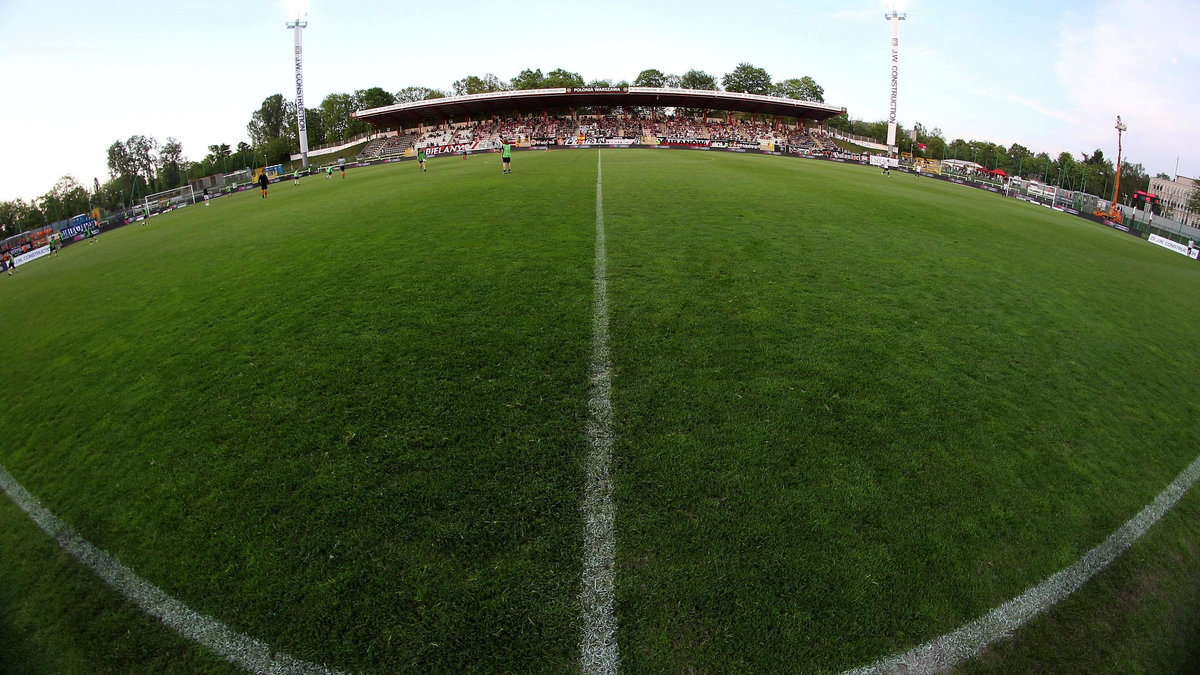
[[396, 145], [590, 129], [372, 149]]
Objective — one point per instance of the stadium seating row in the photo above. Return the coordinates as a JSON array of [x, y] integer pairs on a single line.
[[589, 129]]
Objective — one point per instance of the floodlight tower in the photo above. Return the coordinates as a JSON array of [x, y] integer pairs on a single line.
[[895, 17], [298, 25]]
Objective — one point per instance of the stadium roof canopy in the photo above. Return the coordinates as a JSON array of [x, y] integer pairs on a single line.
[[537, 101]]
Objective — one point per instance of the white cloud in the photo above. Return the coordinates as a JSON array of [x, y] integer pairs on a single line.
[[1111, 63], [1003, 95]]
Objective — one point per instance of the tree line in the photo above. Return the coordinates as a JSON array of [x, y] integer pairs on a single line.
[[141, 165], [1090, 172]]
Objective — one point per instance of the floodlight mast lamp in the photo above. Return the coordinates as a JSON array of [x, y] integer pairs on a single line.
[[301, 127], [895, 17]]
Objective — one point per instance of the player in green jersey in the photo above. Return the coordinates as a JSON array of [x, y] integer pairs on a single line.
[[506, 155], [421, 158]]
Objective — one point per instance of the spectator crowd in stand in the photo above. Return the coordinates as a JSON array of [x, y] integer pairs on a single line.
[[598, 129]]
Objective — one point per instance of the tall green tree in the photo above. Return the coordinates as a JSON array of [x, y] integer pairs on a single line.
[[411, 94], [269, 121], [698, 79], [375, 97], [1095, 159], [119, 161], [527, 79], [244, 157], [123, 190], [219, 152], [18, 216], [562, 78], [651, 77], [1065, 165], [67, 198], [132, 164], [317, 133], [141, 150], [171, 164], [473, 84], [1018, 154], [1044, 167], [335, 116], [276, 151], [747, 79], [801, 89], [937, 144], [114, 195]]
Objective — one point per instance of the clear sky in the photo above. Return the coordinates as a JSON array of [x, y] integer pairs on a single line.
[[77, 76]]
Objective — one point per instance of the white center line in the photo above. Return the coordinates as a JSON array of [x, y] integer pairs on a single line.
[[598, 640]]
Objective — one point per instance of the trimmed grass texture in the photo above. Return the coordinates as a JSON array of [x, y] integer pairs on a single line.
[[852, 413]]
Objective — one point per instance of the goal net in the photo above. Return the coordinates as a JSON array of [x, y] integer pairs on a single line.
[[167, 200]]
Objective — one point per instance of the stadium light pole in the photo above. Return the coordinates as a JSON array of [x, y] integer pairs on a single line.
[[895, 17], [298, 25]]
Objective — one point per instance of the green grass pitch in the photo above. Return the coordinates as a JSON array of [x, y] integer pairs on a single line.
[[852, 412]]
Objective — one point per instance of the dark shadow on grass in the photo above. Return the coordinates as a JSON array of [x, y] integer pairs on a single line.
[[19, 652]]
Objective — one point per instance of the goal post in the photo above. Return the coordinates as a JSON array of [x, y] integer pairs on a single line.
[[167, 200]]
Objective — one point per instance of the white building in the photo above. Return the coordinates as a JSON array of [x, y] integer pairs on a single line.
[[1174, 195]]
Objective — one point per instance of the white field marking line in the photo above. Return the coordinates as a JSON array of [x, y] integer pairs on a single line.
[[598, 637], [945, 652], [240, 650]]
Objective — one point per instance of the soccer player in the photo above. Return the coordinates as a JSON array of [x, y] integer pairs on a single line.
[[342, 166], [296, 177], [421, 158], [206, 196], [506, 155], [262, 183], [329, 172]]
